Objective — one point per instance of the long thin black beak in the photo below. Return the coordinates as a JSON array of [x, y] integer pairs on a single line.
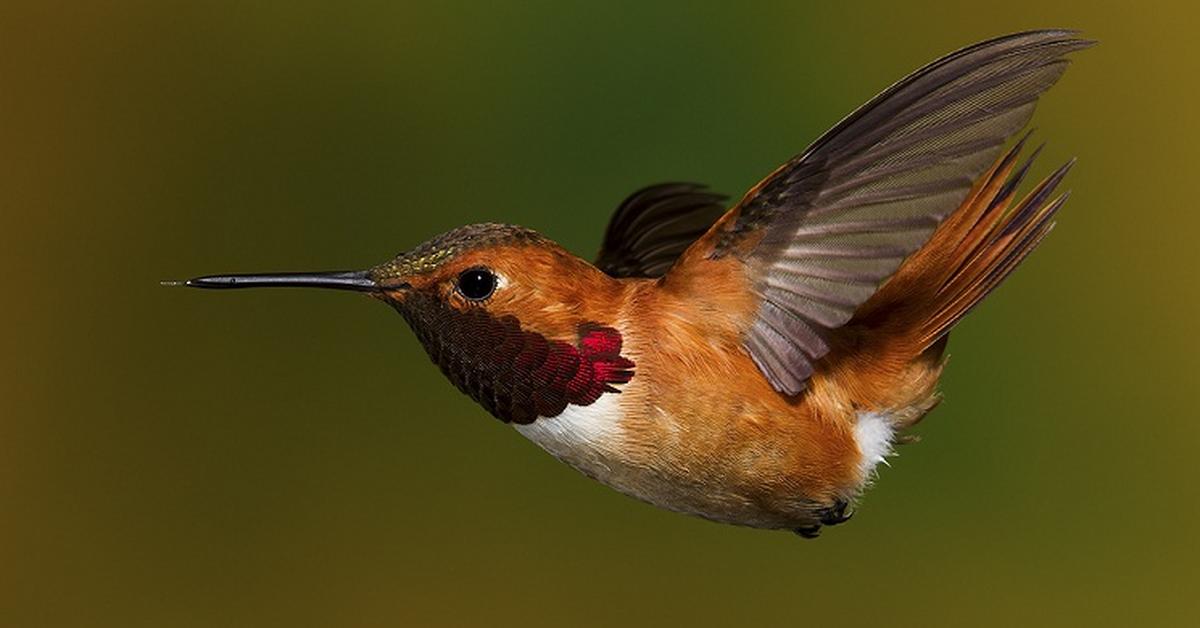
[[357, 280]]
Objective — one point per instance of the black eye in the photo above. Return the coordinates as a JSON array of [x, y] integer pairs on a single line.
[[477, 284]]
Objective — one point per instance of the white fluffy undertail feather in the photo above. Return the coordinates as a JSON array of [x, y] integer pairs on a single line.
[[874, 433]]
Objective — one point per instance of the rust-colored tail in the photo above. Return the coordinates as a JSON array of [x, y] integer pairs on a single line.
[[971, 253], [994, 241], [902, 326]]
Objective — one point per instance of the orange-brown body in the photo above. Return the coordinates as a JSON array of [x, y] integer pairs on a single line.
[[698, 429], [750, 365]]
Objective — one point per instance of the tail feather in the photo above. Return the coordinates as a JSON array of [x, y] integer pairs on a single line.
[[994, 244], [892, 352], [971, 252]]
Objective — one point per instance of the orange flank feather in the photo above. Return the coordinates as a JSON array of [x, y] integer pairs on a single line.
[[755, 455]]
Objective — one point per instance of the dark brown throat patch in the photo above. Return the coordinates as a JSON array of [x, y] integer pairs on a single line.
[[517, 375]]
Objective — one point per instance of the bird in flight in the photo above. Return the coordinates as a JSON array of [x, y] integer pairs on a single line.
[[754, 364]]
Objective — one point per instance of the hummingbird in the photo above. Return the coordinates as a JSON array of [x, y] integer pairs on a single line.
[[751, 364]]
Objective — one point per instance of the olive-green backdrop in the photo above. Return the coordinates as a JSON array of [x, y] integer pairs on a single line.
[[177, 458]]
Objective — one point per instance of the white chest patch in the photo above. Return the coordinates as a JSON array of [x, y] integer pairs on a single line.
[[582, 436], [874, 434]]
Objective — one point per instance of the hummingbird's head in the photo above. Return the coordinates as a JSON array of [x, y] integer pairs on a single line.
[[513, 319], [493, 269]]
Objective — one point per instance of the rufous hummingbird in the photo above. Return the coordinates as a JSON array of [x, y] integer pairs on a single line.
[[753, 365]]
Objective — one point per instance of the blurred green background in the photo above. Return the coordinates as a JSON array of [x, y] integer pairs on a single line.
[[179, 458]]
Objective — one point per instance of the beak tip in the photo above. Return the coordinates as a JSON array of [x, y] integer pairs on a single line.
[[199, 282]]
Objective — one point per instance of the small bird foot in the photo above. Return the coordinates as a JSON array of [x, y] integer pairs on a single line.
[[809, 532], [837, 513]]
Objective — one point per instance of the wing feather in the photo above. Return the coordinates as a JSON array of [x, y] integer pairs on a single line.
[[820, 234], [654, 225]]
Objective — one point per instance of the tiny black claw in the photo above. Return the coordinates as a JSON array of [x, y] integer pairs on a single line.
[[837, 513], [809, 532]]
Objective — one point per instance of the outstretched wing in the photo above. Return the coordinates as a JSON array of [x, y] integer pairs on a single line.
[[654, 225], [822, 233]]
